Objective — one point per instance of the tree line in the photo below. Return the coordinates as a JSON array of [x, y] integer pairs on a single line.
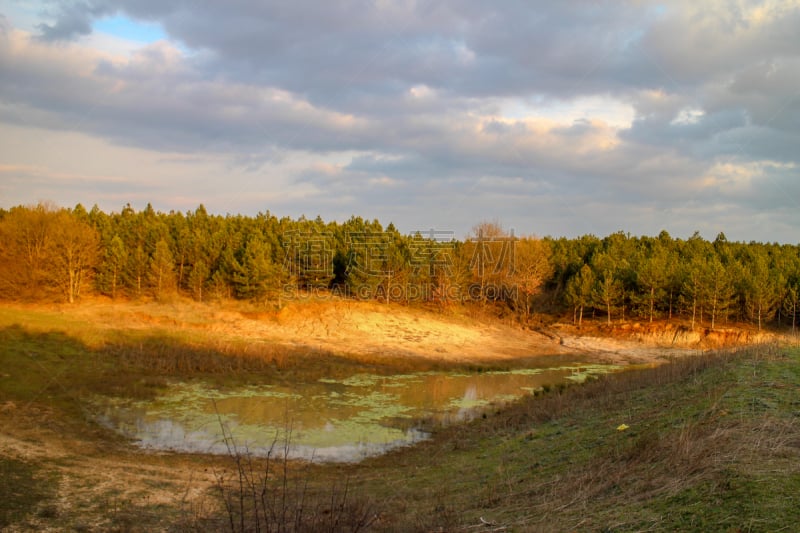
[[52, 253], [703, 282]]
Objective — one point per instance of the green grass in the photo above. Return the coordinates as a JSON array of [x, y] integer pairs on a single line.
[[713, 445]]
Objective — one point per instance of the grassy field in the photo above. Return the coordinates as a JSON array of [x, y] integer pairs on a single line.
[[707, 443], [712, 443]]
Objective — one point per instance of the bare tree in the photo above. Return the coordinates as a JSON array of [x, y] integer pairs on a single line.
[[530, 268], [490, 249], [45, 251], [75, 247]]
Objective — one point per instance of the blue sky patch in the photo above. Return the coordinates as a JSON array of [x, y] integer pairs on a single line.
[[125, 28]]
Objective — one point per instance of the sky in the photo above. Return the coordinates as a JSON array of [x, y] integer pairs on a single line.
[[553, 118]]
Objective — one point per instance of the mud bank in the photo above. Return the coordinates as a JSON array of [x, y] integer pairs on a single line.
[[635, 341]]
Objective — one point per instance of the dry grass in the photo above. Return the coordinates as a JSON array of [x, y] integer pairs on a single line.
[[274, 494]]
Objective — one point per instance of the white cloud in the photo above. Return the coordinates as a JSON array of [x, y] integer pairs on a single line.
[[597, 108], [688, 115]]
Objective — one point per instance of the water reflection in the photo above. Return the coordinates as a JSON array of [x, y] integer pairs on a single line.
[[328, 420]]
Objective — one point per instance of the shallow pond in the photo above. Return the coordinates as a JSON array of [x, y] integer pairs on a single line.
[[327, 420]]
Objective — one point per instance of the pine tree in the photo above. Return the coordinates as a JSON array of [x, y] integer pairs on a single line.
[[718, 289], [579, 292], [198, 277], [608, 289], [255, 272], [114, 261], [760, 289], [162, 270], [137, 269], [653, 273], [791, 304]]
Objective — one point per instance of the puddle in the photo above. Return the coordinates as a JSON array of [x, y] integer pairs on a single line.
[[328, 420]]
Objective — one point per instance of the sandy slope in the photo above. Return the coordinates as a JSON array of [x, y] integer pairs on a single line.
[[376, 330], [337, 326], [368, 329]]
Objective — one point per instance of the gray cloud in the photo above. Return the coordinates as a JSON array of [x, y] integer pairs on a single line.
[[72, 19], [400, 105]]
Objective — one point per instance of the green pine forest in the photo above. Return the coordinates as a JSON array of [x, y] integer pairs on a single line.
[[56, 254]]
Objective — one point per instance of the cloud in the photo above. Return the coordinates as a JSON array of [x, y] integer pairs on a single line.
[[568, 116], [72, 19], [156, 99]]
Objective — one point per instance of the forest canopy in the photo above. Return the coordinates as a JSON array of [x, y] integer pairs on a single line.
[[58, 254]]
